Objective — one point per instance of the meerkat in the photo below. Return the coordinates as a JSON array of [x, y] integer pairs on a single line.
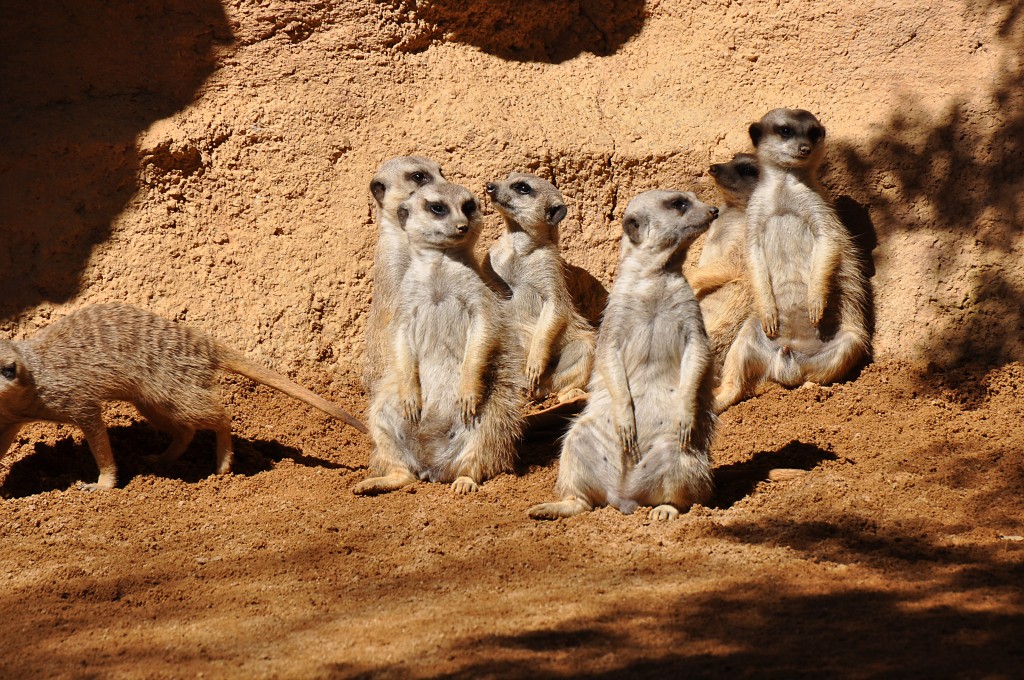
[[449, 406], [393, 182], [808, 287], [719, 279], [644, 437], [558, 341], [114, 352]]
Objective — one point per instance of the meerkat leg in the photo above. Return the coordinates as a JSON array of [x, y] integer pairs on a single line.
[[745, 363], [613, 373], [225, 452], [386, 458], [559, 509], [825, 260], [760, 276], [95, 432], [7, 437], [663, 513], [480, 342], [181, 434], [574, 366], [549, 325]]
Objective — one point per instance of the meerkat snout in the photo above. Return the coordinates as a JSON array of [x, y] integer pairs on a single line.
[[713, 211], [491, 188]]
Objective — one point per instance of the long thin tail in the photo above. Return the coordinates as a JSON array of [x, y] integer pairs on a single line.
[[233, 361]]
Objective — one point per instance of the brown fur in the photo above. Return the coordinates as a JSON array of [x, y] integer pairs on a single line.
[[120, 353]]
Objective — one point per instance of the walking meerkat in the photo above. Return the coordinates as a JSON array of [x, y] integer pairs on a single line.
[[558, 341], [808, 287], [448, 407], [644, 437], [114, 352], [394, 182], [719, 278]]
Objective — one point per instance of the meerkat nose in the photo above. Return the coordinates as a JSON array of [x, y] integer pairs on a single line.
[[491, 187], [463, 228], [713, 211], [805, 149]]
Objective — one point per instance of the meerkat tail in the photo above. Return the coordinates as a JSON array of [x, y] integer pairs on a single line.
[[236, 363], [835, 360]]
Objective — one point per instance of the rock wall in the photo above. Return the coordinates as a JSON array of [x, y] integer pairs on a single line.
[[211, 161]]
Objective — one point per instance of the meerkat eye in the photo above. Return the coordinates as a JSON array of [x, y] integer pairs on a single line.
[[748, 170], [419, 177], [816, 133], [680, 204], [9, 371], [522, 188], [785, 131], [469, 208], [439, 209]]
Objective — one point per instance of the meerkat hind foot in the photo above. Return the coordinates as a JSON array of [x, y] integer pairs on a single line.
[[97, 486], [570, 394], [464, 485], [560, 509], [662, 513], [373, 486]]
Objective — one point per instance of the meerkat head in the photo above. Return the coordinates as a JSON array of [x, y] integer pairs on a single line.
[[663, 223], [789, 138], [398, 178], [441, 216], [15, 376], [737, 178], [532, 203]]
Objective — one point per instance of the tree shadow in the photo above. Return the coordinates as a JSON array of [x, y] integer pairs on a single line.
[[736, 481], [957, 175], [530, 30], [78, 82], [59, 466]]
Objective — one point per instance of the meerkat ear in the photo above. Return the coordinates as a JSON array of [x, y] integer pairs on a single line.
[[378, 189], [631, 227], [403, 216], [756, 132], [556, 214]]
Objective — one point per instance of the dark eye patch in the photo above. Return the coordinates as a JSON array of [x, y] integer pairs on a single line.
[[747, 170], [784, 131], [469, 208], [9, 371], [522, 188], [816, 133], [680, 204], [439, 209], [419, 177]]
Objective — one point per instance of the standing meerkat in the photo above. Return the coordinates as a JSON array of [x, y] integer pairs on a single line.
[[113, 352], [394, 182], [644, 437], [558, 341], [808, 287], [719, 279], [449, 406]]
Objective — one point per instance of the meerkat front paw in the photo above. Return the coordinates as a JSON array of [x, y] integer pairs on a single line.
[[469, 404], [373, 486], [464, 485], [560, 509], [684, 428], [815, 310], [626, 429], [770, 322], [663, 513], [410, 405], [534, 370]]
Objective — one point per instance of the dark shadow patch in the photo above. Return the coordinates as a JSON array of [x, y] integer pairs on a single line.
[[589, 295], [61, 465], [736, 481], [78, 82], [529, 30]]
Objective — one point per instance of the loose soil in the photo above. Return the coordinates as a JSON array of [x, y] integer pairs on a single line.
[[210, 161]]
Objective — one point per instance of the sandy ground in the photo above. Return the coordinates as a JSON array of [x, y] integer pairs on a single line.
[[897, 553], [210, 161]]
